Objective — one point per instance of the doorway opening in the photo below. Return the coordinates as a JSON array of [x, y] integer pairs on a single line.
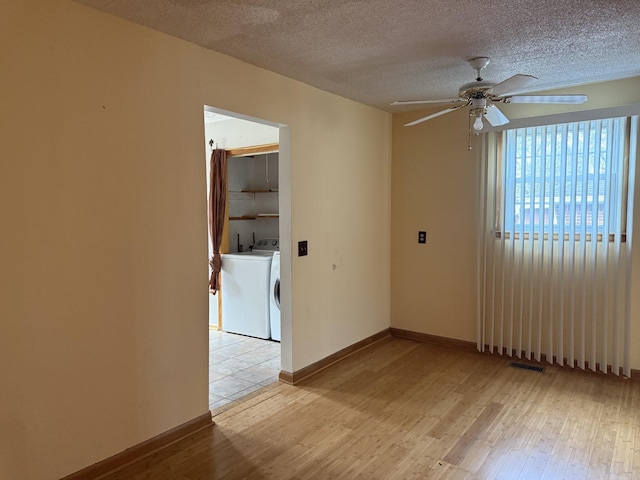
[[246, 338]]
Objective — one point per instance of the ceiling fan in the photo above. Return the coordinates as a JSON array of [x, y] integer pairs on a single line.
[[482, 95]]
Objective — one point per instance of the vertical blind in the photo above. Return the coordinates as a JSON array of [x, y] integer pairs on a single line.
[[554, 256]]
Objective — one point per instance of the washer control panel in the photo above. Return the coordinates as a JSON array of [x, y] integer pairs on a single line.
[[267, 245]]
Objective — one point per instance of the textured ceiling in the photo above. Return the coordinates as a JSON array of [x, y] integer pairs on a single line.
[[378, 51]]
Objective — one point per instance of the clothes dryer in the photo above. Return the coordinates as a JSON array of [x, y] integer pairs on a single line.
[[274, 297]]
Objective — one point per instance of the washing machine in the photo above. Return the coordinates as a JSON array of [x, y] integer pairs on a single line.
[[274, 297], [246, 291]]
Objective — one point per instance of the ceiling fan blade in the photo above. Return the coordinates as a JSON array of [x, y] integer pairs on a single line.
[[434, 115], [567, 99], [419, 102], [512, 84], [495, 117]]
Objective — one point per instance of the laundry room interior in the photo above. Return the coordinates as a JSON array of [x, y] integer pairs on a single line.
[[244, 318], [253, 200]]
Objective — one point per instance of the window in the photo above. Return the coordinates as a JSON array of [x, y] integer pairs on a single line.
[[567, 179], [554, 280]]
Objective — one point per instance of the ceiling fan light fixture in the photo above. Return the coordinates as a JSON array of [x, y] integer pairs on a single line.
[[477, 123], [478, 108]]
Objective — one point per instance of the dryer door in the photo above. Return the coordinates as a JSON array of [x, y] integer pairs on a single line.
[[274, 297], [276, 293]]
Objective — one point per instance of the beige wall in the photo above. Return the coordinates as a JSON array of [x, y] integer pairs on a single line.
[[103, 295], [435, 187]]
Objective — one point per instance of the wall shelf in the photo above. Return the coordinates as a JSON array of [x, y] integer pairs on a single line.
[[254, 150], [254, 217]]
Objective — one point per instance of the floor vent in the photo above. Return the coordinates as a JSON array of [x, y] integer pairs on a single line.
[[524, 366]]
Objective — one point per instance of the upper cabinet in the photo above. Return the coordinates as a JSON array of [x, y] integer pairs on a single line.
[[253, 187]]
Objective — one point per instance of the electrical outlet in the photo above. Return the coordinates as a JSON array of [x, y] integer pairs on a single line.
[[422, 237], [302, 248]]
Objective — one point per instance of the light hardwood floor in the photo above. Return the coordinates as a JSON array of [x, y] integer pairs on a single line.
[[404, 410]]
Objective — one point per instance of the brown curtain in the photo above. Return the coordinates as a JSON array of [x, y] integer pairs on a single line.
[[217, 204]]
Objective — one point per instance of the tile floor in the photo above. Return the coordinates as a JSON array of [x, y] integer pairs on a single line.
[[239, 365]]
